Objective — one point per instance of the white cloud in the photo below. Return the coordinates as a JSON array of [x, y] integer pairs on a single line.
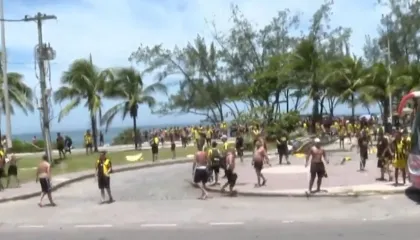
[[110, 30]]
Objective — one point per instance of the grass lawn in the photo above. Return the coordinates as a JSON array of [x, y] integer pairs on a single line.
[[80, 161]]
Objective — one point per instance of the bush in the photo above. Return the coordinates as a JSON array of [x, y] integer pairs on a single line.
[[19, 146], [125, 137]]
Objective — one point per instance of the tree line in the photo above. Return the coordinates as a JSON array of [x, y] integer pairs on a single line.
[[270, 70]]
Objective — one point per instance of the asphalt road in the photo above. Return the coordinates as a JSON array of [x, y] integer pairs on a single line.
[[159, 203], [385, 230]]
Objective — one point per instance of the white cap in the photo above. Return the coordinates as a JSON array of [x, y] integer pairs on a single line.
[[317, 140], [224, 137]]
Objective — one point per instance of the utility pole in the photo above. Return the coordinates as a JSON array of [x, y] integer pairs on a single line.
[[5, 81], [44, 53]]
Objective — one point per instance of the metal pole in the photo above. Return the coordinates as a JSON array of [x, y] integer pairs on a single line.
[[43, 55], [5, 80], [44, 94], [389, 82]]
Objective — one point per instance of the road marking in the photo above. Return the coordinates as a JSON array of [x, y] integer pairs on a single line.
[[225, 223], [158, 225], [94, 226], [287, 221], [31, 226]]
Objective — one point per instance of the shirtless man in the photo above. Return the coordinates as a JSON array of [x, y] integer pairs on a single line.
[[200, 172], [230, 171], [43, 174], [317, 169], [260, 156]]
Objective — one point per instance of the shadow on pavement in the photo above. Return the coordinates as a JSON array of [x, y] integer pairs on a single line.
[[413, 194]]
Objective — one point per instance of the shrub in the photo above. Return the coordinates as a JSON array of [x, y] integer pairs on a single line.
[[19, 146], [125, 137]]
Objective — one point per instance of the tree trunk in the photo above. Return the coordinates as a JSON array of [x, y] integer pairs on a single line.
[[353, 110], [135, 132], [94, 132]]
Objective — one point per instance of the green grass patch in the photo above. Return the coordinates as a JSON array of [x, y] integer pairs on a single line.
[[81, 161]]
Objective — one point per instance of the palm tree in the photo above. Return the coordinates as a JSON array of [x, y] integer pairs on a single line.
[[127, 85], [84, 83], [20, 95], [348, 73]]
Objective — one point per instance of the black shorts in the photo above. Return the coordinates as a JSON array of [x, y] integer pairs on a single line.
[[155, 149], [364, 154], [240, 151], [104, 182], [215, 168], [282, 151], [12, 170], [172, 146], [60, 147], [88, 145], [45, 185], [231, 177], [318, 169], [258, 166], [201, 175]]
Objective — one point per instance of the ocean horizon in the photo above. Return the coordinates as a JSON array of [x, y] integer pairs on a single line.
[[77, 135]]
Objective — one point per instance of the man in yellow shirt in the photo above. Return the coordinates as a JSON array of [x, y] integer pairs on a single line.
[[103, 169], [88, 139]]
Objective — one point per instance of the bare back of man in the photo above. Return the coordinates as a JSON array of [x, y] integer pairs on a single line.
[[317, 168], [200, 172], [44, 177], [230, 171], [258, 159]]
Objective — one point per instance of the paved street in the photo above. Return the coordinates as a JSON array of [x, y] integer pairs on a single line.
[[162, 195], [384, 230], [159, 203]]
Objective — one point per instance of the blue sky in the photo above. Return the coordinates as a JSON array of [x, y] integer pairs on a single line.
[[110, 30]]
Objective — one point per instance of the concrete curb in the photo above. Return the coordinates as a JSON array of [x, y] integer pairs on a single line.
[[343, 194]]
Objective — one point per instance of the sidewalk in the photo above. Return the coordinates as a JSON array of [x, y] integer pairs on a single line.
[[292, 180]]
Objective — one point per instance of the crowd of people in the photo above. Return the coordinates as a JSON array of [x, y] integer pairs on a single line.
[[392, 150]]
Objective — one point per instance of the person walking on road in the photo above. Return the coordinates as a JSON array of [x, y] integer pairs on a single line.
[[384, 155], [260, 156], [103, 169], [200, 172], [317, 170], [43, 175], [230, 171], [363, 147]]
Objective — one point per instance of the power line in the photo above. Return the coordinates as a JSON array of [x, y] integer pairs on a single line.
[[12, 20]]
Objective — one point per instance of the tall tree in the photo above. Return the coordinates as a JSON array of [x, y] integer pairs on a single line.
[[202, 86], [83, 83], [127, 85]]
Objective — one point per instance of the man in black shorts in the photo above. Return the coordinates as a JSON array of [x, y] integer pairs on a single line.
[[103, 169], [44, 177], [317, 157], [230, 171], [200, 172], [215, 157]]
